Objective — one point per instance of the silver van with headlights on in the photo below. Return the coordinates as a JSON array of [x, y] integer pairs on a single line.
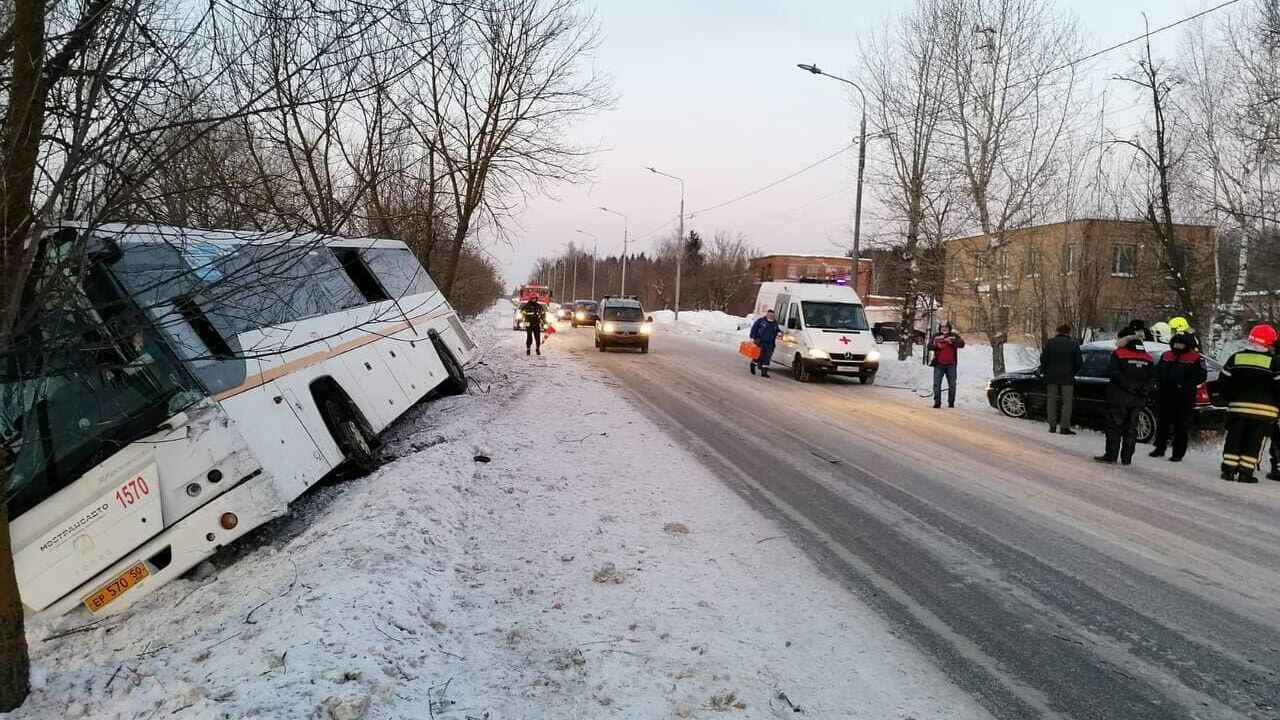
[[622, 323]]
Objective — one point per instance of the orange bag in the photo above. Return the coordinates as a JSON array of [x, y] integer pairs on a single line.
[[749, 350]]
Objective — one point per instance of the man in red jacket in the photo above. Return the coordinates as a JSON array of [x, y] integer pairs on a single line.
[[944, 345]]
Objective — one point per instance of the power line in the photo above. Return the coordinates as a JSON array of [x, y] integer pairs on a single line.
[[775, 183]]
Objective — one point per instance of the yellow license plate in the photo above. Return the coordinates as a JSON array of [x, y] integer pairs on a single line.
[[118, 586]]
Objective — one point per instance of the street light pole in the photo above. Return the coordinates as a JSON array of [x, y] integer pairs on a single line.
[[862, 163], [623, 289], [594, 243], [680, 244]]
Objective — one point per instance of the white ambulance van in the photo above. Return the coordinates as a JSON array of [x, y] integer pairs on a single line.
[[824, 329]]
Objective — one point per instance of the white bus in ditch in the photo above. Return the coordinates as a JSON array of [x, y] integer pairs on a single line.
[[167, 390]]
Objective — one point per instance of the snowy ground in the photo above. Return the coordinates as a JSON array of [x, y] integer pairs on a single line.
[[972, 374], [590, 569]]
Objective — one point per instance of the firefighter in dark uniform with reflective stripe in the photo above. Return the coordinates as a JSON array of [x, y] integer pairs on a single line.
[[534, 313], [1248, 382], [1130, 378]]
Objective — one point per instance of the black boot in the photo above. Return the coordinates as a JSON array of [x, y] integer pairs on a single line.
[[527, 351], [1274, 475], [1158, 452], [1105, 459], [753, 368], [1066, 431], [1228, 475], [1246, 477], [764, 372], [1053, 428]]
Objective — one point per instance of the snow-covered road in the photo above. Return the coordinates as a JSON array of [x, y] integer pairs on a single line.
[[536, 549], [1044, 584]]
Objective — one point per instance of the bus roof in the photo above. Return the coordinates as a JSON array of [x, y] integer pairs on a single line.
[[128, 233]]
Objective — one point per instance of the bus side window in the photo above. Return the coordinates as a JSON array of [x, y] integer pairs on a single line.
[[360, 274], [400, 272]]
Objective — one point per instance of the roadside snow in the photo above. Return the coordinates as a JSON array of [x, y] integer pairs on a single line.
[[536, 549], [973, 372]]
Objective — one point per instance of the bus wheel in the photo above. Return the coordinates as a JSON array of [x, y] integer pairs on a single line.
[[456, 383], [351, 437]]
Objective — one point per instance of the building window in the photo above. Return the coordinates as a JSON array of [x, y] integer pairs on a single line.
[[1120, 318], [1070, 258], [1033, 261], [1003, 262], [1124, 260], [955, 267]]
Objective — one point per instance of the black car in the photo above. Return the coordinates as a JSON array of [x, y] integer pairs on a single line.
[[1022, 394], [884, 332], [585, 313]]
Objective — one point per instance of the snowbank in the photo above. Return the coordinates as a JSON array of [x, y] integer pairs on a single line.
[[972, 375], [535, 549]]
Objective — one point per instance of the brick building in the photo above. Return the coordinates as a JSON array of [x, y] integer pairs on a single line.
[[1093, 274]]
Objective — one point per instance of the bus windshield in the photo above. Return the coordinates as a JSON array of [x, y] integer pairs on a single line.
[[84, 376], [834, 316]]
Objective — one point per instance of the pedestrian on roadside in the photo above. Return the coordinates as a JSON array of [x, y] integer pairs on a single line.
[[1181, 370], [533, 313], [1131, 377], [944, 345], [1060, 361], [1248, 384], [764, 332]]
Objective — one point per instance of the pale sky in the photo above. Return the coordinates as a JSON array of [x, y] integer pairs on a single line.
[[709, 90]]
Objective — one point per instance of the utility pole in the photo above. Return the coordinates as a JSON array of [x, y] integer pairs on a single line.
[[623, 289], [680, 244], [862, 164]]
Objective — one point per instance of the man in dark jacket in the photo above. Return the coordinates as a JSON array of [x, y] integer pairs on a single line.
[[1060, 361], [944, 345], [533, 313], [1131, 376], [1180, 372], [1248, 382], [764, 332]]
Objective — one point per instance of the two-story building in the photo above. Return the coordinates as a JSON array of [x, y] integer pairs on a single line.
[[1093, 274]]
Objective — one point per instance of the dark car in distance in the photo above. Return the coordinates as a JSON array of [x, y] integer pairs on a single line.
[[585, 313], [884, 332], [1022, 393]]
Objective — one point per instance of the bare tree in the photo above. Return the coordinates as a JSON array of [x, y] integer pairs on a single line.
[[908, 88], [1162, 155], [493, 105], [1013, 88]]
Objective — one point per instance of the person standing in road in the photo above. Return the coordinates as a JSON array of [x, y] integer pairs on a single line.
[[1248, 384], [1135, 329], [1131, 376], [1180, 372], [533, 313], [765, 331], [1060, 361], [944, 345], [1179, 326]]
